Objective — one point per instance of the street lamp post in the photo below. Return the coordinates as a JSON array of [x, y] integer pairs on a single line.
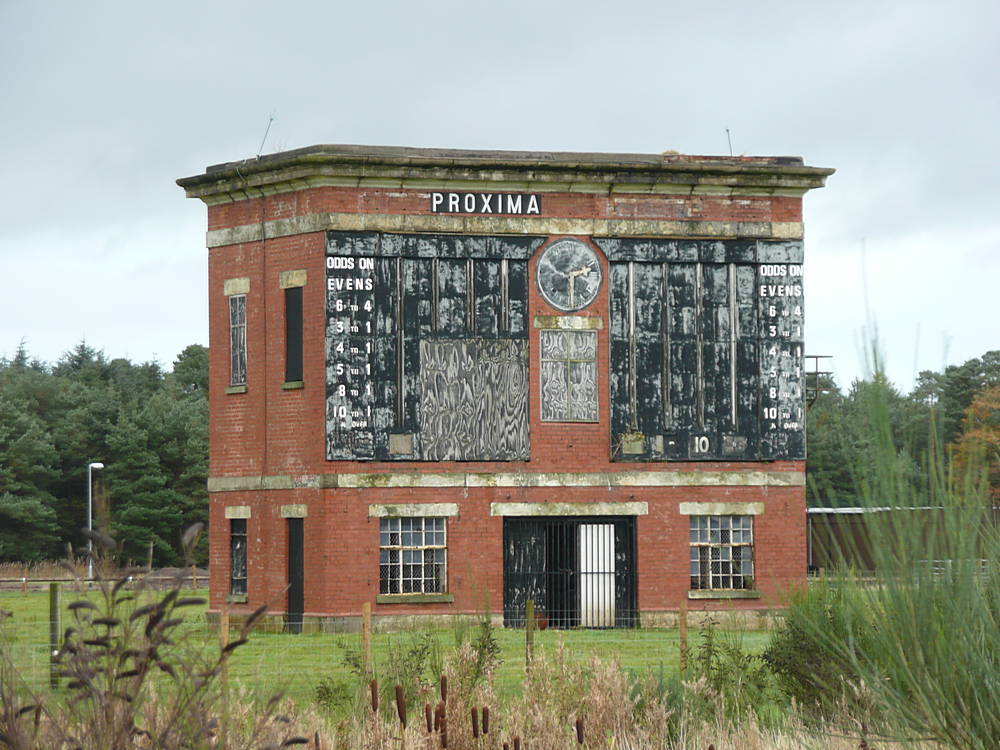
[[90, 516]]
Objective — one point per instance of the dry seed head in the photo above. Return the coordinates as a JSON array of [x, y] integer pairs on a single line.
[[401, 705]]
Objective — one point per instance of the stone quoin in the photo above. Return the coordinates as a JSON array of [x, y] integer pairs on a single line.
[[447, 379]]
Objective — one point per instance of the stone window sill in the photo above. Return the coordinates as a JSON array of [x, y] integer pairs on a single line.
[[236, 389], [236, 599], [414, 598], [292, 385], [723, 594]]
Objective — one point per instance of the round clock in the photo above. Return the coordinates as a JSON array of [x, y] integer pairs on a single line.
[[569, 275]]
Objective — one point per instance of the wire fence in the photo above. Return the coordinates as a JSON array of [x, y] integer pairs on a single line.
[[300, 664]]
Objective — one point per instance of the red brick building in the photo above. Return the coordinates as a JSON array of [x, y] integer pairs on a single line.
[[441, 379]]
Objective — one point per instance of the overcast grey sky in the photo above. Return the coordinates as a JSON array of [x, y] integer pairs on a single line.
[[105, 104]]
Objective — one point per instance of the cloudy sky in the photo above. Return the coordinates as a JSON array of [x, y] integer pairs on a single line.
[[105, 104]]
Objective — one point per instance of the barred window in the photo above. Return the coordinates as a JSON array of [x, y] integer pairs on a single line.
[[238, 339], [721, 552], [238, 556], [412, 556]]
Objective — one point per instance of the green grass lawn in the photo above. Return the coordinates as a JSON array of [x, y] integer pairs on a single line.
[[296, 664]]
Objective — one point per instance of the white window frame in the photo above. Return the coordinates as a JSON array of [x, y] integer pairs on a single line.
[[721, 552], [408, 546]]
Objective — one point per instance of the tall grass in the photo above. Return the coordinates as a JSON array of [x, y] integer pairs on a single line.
[[919, 646]]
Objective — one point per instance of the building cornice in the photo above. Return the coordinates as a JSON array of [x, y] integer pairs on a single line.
[[542, 171]]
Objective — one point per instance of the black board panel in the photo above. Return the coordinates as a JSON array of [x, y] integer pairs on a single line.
[[706, 350], [389, 296]]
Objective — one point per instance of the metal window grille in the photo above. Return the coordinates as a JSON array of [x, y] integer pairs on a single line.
[[412, 556], [238, 339], [721, 552], [238, 556]]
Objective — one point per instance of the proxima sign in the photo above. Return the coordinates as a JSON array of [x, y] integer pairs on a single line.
[[486, 203]]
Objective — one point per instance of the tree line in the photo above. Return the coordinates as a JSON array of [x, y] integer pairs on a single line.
[[147, 426], [953, 414]]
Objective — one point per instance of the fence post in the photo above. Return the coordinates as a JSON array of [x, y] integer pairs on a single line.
[[682, 633], [366, 637], [529, 631], [223, 642], [55, 629]]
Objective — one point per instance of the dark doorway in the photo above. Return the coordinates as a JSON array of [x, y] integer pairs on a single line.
[[296, 575], [580, 571]]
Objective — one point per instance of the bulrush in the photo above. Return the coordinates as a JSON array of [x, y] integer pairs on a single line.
[[486, 719], [444, 687], [401, 705], [373, 688], [579, 731], [427, 718], [475, 723]]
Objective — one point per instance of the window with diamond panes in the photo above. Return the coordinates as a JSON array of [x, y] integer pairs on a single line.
[[412, 556], [721, 552]]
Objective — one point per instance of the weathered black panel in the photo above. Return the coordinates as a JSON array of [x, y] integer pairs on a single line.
[[412, 288], [619, 370], [514, 247], [452, 298], [712, 252], [350, 390], [722, 348], [474, 396], [385, 361], [517, 298], [779, 252], [747, 397], [649, 343], [684, 386], [519, 247], [489, 293], [353, 243], [418, 323]]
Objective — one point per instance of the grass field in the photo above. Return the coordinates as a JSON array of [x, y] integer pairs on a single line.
[[296, 664]]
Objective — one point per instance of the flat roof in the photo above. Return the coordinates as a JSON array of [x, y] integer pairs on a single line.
[[563, 167]]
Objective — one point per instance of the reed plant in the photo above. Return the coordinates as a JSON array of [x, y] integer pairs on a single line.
[[918, 644], [127, 678]]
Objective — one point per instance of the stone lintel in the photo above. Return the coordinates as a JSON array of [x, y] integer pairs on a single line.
[[569, 509], [721, 509], [405, 479], [411, 510]]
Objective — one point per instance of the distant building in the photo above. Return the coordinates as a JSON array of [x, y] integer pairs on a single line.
[[440, 378]]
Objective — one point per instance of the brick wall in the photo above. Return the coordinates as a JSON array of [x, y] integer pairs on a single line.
[[269, 431]]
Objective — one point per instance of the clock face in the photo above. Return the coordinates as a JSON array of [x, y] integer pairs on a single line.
[[569, 275]]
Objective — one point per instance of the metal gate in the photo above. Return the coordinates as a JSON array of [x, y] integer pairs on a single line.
[[580, 571]]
